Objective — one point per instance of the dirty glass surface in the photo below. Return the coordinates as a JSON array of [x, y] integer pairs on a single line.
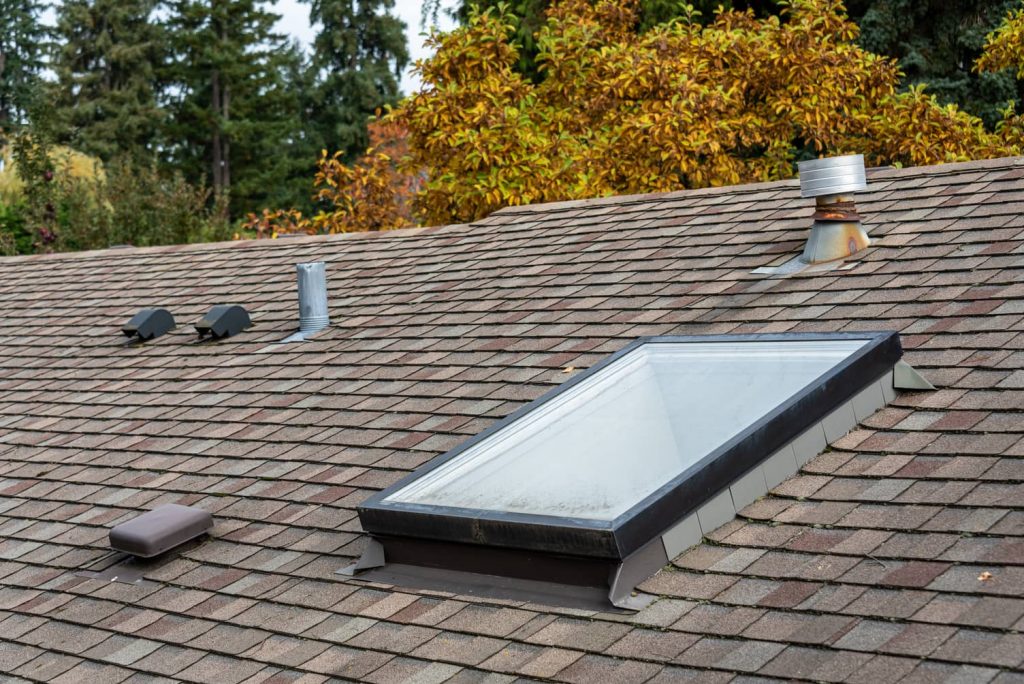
[[601, 446]]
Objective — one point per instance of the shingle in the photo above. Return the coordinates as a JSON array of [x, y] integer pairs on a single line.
[[220, 669], [591, 668], [346, 662], [487, 620], [743, 656], [583, 634]]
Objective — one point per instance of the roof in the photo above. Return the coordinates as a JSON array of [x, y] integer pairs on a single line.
[[895, 555]]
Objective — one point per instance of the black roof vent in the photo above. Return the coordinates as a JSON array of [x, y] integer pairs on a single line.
[[160, 530], [149, 323], [224, 320]]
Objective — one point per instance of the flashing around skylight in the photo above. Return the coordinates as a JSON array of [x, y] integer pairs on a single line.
[[606, 467]]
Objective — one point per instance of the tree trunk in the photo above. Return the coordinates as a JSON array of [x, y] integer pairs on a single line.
[[226, 158], [218, 162]]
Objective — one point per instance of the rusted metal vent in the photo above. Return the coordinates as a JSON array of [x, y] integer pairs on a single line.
[[160, 530], [312, 279], [149, 323], [223, 320], [837, 232]]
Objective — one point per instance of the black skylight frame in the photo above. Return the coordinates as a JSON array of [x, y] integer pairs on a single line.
[[646, 520]]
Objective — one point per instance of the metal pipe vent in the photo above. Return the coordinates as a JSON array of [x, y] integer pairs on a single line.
[[837, 232], [832, 176], [312, 279]]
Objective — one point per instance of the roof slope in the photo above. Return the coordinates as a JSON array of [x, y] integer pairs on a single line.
[[866, 567]]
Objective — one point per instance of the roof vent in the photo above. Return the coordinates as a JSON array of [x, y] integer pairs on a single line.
[[223, 320], [160, 530], [312, 279], [149, 323], [837, 232]]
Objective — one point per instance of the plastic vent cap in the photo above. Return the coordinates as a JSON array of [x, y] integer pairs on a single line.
[[149, 323], [160, 530], [223, 320]]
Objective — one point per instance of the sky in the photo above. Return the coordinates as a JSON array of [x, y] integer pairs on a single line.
[[295, 22]]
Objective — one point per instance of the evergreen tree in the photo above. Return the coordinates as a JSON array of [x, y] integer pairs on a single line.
[[936, 42], [106, 63], [234, 101], [22, 41], [358, 57]]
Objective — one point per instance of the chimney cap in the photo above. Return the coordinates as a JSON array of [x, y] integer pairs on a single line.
[[832, 176]]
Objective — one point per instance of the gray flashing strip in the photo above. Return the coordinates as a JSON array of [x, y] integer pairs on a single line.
[[906, 378]]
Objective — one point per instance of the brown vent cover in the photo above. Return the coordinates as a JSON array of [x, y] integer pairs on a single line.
[[161, 529]]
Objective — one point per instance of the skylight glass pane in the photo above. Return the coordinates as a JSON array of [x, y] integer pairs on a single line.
[[601, 446]]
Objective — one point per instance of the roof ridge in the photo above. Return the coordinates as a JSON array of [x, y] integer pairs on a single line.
[[950, 168], [879, 173], [118, 252]]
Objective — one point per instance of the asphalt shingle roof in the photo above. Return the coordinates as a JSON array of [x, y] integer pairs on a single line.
[[897, 555]]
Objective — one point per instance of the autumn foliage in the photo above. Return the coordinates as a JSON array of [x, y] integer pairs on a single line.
[[682, 105], [1004, 48], [371, 194]]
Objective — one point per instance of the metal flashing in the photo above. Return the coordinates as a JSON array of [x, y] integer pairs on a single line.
[[905, 377]]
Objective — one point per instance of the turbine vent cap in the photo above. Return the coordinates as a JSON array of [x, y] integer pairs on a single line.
[[832, 176]]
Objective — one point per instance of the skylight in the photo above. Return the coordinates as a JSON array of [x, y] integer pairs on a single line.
[[607, 462], [598, 448]]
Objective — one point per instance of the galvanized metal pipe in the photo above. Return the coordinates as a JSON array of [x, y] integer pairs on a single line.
[[312, 280]]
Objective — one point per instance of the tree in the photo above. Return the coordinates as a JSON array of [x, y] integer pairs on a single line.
[[53, 198], [22, 42], [106, 76], [1004, 47], [371, 194], [1004, 51], [682, 105], [935, 43], [358, 56], [529, 17], [236, 117]]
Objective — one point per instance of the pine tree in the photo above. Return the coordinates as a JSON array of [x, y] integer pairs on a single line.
[[22, 41], [234, 102], [106, 64], [358, 57]]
